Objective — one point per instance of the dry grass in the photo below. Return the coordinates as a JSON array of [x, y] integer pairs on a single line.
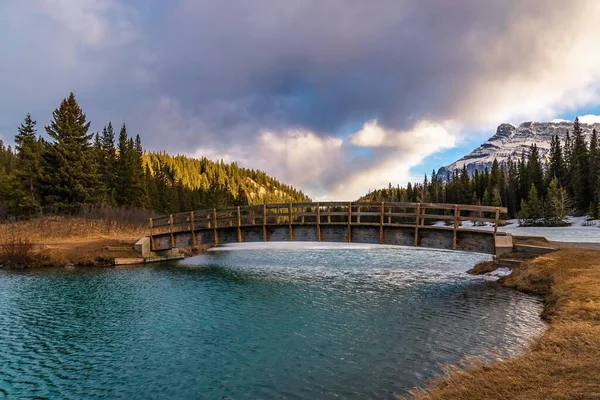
[[483, 267], [48, 230], [16, 252], [564, 362], [57, 241]]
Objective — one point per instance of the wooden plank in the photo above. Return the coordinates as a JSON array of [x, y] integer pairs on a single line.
[[418, 216], [291, 219], [435, 216], [404, 215], [307, 214], [349, 222], [381, 219], [239, 225], [367, 213], [151, 237], [496, 221], [264, 223], [490, 209], [456, 223], [330, 213], [436, 206], [171, 230], [318, 223], [216, 234], [193, 226]]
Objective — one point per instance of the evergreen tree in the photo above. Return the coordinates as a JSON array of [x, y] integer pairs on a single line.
[[28, 147], [125, 194], [580, 170], [67, 168], [108, 167], [555, 162], [531, 209], [594, 173], [535, 171], [556, 205]]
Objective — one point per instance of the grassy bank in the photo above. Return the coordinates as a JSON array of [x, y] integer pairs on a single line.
[[564, 362], [59, 241]]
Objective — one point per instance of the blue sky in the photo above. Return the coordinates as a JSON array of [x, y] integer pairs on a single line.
[[334, 97]]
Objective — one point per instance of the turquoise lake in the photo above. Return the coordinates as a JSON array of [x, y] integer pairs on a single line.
[[311, 322]]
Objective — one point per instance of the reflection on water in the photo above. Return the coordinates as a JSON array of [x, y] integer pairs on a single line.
[[324, 322]]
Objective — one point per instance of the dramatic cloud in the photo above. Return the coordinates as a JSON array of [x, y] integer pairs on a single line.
[[334, 96]]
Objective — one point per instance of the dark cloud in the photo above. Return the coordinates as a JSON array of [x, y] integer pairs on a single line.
[[215, 75]]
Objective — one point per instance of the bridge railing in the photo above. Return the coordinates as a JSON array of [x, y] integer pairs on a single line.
[[333, 213]]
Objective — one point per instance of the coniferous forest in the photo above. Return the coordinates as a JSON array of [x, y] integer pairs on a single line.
[[73, 167], [538, 192]]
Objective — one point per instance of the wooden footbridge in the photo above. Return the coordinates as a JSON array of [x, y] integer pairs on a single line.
[[403, 224]]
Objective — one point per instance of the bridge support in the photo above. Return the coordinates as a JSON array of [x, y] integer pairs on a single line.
[[318, 222], [381, 218], [418, 220]]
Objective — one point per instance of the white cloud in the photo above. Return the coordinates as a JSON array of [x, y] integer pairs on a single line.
[[421, 136], [298, 156], [589, 119]]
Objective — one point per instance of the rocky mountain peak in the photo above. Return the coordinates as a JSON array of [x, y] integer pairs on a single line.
[[511, 141]]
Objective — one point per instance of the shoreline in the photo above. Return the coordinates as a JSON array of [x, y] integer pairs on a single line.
[[561, 363]]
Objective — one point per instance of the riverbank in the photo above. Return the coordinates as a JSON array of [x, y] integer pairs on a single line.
[[62, 241], [563, 362]]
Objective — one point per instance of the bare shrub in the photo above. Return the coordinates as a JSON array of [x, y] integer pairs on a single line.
[[16, 251]]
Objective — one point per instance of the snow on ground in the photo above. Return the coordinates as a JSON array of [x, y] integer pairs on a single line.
[[581, 230]]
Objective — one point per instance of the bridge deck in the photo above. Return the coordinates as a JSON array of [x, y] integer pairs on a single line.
[[385, 223]]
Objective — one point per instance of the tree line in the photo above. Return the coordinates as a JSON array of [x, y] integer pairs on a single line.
[[73, 167], [538, 192]]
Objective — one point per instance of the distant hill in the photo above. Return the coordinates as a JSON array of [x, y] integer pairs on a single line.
[[218, 183]]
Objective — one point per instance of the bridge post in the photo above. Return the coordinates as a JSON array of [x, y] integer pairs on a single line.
[[193, 227], [417, 224], [329, 214], [381, 223], [239, 227], [291, 216], [350, 222], [216, 234], [151, 237], [358, 215], [171, 230], [318, 222], [264, 222], [456, 223], [496, 222]]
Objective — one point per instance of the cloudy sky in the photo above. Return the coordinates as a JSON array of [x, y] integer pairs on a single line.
[[335, 97]]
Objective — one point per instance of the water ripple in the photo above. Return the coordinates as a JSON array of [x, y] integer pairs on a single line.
[[294, 323]]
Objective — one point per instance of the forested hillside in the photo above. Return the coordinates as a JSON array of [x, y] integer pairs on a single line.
[[531, 190], [73, 167]]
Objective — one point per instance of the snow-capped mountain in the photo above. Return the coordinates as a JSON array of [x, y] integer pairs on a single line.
[[511, 141]]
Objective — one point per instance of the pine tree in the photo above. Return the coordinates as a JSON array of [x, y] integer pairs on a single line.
[[535, 171], [556, 205], [108, 167], [27, 173], [67, 168], [555, 162], [580, 170], [531, 209], [125, 170], [594, 173], [139, 184]]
